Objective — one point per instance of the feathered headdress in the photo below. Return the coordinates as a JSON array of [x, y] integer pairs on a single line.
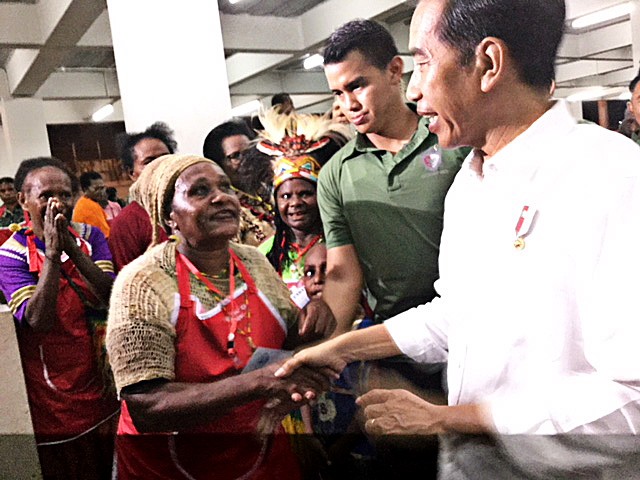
[[291, 139]]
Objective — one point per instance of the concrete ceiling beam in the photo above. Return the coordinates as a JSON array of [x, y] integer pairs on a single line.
[[77, 85], [63, 24], [243, 66], [19, 26], [293, 83]]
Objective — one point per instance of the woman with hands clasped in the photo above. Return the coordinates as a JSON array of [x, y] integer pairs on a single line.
[[185, 319], [56, 277]]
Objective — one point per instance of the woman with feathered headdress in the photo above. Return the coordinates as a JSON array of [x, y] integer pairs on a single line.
[[299, 144]]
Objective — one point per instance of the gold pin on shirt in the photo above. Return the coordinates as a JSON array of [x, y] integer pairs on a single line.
[[519, 243]]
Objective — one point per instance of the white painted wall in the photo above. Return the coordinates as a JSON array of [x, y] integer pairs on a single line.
[[25, 131]]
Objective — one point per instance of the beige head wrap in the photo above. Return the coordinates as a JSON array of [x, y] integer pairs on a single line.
[[155, 187]]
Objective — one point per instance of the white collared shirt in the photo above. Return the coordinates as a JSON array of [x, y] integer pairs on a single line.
[[546, 336]]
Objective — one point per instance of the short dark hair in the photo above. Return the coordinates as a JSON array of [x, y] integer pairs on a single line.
[[32, 164], [532, 29], [6, 180], [371, 39], [87, 177], [126, 142], [280, 98], [632, 86], [212, 148]]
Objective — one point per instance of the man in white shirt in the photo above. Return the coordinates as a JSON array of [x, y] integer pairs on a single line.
[[538, 315]]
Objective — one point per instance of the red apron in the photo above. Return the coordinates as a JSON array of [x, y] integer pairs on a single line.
[[64, 386], [228, 447]]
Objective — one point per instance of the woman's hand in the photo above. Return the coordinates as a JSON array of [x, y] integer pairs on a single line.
[[54, 224]]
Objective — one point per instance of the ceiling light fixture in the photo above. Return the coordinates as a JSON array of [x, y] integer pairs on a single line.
[[601, 16], [246, 108], [626, 95], [102, 113], [233, 2], [313, 61], [596, 93], [592, 93]]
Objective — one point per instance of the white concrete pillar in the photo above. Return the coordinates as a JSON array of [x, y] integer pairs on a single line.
[[635, 33], [171, 66], [25, 132]]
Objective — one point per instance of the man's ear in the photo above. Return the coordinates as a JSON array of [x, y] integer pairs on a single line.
[[630, 107], [396, 68], [491, 55], [21, 200]]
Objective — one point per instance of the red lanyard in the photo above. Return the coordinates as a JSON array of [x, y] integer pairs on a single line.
[[236, 314], [232, 281]]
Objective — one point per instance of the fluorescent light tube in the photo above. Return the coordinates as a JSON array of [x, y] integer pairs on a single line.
[[593, 93], [246, 108], [102, 113], [313, 61]]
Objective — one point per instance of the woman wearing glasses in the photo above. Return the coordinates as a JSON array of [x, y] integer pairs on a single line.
[[229, 145]]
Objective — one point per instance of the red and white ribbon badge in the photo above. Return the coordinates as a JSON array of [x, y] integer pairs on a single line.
[[524, 225]]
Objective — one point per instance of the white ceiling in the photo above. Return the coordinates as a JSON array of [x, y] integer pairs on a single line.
[[61, 49]]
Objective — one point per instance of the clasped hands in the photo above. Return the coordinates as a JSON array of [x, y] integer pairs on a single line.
[[57, 237], [395, 412]]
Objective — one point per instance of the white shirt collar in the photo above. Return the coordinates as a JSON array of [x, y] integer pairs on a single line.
[[520, 156]]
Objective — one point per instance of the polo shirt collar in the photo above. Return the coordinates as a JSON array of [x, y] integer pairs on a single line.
[[362, 144]]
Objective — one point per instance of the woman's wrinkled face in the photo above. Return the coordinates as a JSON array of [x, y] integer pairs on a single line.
[[39, 186], [204, 208], [298, 204]]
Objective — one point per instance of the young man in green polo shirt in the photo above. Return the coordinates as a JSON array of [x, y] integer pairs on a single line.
[[382, 196], [382, 200]]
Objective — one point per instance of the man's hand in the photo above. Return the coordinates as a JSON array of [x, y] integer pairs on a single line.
[[323, 358], [399, 412], [316, 320]]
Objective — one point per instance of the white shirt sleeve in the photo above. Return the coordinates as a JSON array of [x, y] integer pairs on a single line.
[[421, 333]]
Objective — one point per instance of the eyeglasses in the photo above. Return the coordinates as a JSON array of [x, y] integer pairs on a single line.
[[239, 155]]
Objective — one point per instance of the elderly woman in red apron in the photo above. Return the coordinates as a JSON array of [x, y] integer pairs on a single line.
[[184, 321], [54, 275]]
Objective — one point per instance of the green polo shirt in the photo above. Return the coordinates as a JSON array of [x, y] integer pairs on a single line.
[[635, 136], [390, 208]]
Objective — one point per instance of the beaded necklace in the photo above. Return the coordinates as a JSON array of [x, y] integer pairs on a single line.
[[233, 314]]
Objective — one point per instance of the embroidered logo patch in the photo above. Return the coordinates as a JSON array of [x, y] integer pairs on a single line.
[[432, 159]]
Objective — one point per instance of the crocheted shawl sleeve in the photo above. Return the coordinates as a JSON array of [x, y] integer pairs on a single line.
[[140, 335]]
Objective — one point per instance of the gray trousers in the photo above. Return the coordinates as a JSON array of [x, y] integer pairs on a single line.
[[533, 457]]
